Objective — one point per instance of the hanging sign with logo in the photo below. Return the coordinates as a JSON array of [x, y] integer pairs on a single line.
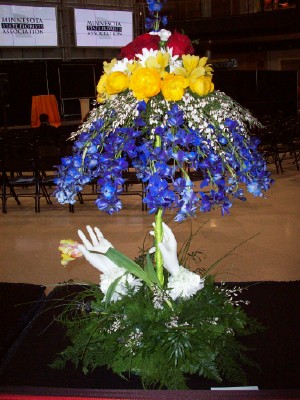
[[103, 28], [22, 26]]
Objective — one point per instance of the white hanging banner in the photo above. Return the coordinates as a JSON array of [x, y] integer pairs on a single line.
[[103, 28], [23, 26]]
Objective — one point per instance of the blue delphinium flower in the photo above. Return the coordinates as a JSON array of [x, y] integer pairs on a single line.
[[188, 202], [254, 188], [154, 20], [158, 194], [164, 20], [221, 152], [70, 180], [175, 116]]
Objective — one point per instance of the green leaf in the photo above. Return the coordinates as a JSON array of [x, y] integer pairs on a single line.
[[111, 290], [124, 262], [150, 271]]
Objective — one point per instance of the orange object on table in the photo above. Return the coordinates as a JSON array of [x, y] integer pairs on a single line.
[[44, 104]]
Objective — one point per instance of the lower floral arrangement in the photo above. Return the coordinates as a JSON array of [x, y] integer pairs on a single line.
[[162, 341]]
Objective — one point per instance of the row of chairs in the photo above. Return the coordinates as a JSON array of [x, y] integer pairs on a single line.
[[280, 140], [38, 136], [22, 172], [28, 171]]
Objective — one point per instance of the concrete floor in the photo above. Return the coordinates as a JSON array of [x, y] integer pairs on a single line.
[[29, 241]]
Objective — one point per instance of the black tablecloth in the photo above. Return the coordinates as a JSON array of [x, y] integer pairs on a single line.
[[277, 350]]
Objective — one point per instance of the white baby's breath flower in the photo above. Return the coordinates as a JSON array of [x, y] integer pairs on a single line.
[[214, 321], [115, 326], [134, 340], [159, 297], [230, 331], [231, 295], [173, 323]]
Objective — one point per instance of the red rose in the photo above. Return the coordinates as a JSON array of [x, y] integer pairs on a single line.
[[146, 41], [181, 44]]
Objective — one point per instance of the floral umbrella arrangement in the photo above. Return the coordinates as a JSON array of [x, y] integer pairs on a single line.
[[158, 110]]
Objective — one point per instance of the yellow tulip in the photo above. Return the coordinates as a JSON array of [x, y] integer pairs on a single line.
[[116, 82], [145, 83], [202, 85], [173, 86]]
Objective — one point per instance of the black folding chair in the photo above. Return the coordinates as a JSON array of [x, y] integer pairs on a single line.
[[20, 175]]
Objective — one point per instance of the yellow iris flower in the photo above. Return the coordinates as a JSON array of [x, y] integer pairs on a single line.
[[193, 67], [107, 67], [160, 62], [132, 67], [69, 251]]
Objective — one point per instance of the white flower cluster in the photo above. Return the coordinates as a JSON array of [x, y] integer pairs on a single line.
[[221, 107], [134, 340], [184, 284], [159, 298], [164, 34], [115, 326], [231, 294], [213, 321], [158, 113], [122, 109], [194, 111], [174, 323], [126, 283], [199, 113]]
